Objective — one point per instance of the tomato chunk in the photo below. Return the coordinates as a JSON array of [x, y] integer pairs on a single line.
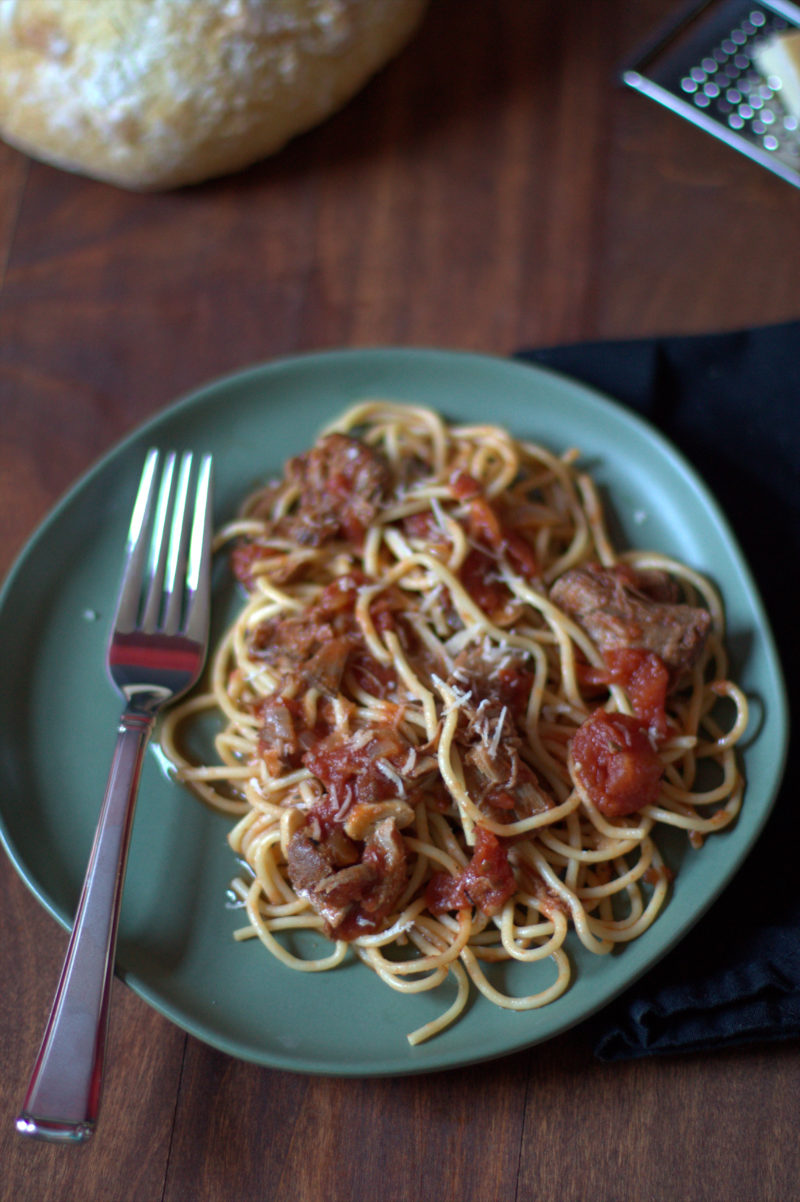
[[616, 763], [645, 678], [486, 882]]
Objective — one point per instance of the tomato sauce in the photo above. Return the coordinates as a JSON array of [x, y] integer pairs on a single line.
[[513, 685], [478, 574], [244, 555], [348, 769], [486, 526], [463, 486]]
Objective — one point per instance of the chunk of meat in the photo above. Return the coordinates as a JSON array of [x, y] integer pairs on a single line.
[[312, 860], [342, 484], [280, 741], [619, 608], [339, 485], [291, 640], [353, 887], [384, 851], [314, 865], [316, 645], [491, 700]]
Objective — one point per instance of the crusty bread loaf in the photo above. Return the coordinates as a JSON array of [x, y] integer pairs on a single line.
[[152, 94]]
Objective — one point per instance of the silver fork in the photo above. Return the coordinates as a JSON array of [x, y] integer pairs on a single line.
[[155, 653]]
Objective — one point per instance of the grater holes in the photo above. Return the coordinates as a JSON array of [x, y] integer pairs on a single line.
[[705, 70], [725, 85]]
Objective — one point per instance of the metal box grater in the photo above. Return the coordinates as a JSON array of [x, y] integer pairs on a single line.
[[700, 66]]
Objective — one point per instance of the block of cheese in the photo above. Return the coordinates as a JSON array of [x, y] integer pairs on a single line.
[[778, 57], [153, 94]]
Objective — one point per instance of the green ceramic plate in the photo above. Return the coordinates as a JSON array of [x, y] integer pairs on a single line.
[[58, 715]]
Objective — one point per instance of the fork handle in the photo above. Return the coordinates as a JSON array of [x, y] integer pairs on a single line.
[[64, 1091]]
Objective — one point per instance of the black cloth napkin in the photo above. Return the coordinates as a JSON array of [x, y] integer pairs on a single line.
[[731, 403]]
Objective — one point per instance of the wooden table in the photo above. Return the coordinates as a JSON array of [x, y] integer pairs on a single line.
[[493, 188]]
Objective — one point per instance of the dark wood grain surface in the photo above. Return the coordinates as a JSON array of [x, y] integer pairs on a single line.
[[493, 188]]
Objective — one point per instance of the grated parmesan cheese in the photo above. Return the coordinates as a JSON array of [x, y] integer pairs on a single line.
[[498, 732], [386, 769]]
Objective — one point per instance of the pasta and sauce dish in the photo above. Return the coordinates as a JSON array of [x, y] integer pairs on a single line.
[[453, 715]]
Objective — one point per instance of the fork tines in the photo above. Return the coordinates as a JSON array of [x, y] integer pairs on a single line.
[[168, 549]]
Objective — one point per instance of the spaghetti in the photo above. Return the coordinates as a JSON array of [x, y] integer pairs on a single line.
[[453, 715]]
